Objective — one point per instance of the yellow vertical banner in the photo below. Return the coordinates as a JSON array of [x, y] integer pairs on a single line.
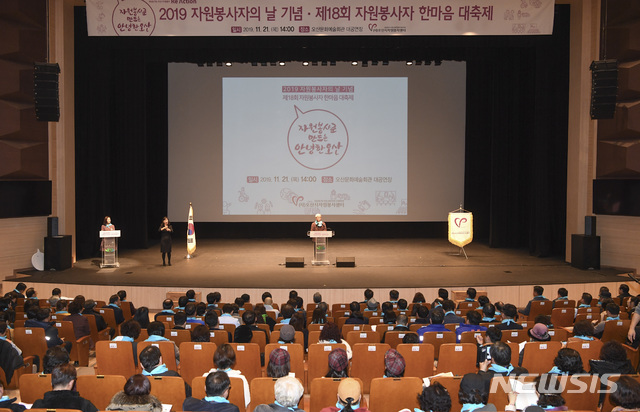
[[460, 227], [191, 233]]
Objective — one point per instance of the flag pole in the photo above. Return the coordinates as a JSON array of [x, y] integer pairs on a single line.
[[191, 234]]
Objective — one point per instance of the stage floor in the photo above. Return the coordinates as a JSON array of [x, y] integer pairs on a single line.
[[380, 263]]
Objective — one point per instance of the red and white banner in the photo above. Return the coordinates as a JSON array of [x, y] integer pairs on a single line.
[[191, 233], [460, 228], [318, 17]]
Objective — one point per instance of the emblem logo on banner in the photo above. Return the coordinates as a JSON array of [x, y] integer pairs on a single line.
[[460, 228]]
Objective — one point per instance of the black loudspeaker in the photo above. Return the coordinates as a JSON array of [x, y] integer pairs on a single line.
[[604, 88], [45, 91], [294, 262], [589, 225], [57, 252], [585, 252], [52, 226], [345, 262]]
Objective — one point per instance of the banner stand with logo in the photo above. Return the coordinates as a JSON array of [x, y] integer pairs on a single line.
[[461, 228]]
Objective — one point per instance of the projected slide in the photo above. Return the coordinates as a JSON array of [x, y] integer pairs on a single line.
[[297, 146]]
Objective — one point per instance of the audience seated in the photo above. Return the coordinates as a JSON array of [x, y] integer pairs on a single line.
[[355, 316], [151, 361], [227, 316], [567, 362], [224, 358], [288, 392], [217, 387], [394, 364], [41, 318], [435, 398], [537, 296], [136, 396], [63, 380], [331, 334], [626, 397], [349, 396], [156, 334], [114, 303], [613, 360], [141, 315], [9, 403], [472, 325], [338, 364], [509, 316], [473, 394], [279, 364], [54, 357], [583, 330], [10, 355]]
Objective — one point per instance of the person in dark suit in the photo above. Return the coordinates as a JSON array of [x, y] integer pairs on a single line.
[[217, 387], [114, 303], [450, 316], [151, 361], [63, 380], [537, 296], [509, 317], [41, 318], [166, 230]]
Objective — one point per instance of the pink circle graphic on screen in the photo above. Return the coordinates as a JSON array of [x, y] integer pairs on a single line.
[[134, 18], [318, 139]]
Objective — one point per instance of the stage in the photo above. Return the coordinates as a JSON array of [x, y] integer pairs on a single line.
[[380, 263]]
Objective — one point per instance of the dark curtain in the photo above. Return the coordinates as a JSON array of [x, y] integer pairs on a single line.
[[516, 128]]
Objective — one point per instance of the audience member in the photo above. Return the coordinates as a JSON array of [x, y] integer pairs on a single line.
[[10, 355], [180, 320], [473, 394], [472, 325], [287, 334], [224, 358], [152, 365], [227, 316], [141, 315], [331, 334], [55, 356], [9, 403], [101, 324], [319, 316], [201, 333], [114, 303], [537, 296], [63, 395], [434, 398], [279, 364], [349, 396], [585, 300], [136, 396], [583, 330], [288, 392], [549, 390], [394, 364], [449, 306], [509, 317], [167, 309], [437, 316], [55, 296], [41, 319], [613, 360], [612, 313], [626, 397], [156, 334], [411, 338], [338, 364], [129, 332], [567, 362], [217, 388], [355, 315]]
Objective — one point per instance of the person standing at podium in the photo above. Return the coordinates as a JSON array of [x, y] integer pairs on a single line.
[[318, 224], [165, 240], [106, 225]]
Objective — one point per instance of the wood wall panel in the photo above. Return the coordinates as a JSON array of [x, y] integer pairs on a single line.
[[19, 241]]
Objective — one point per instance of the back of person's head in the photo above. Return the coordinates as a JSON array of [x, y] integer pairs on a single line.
[[279, 363], [349, 393], [190, 309], [627, 393], [61, 375], [210, 298], [266, 295], [141, 315], [624, 288], [473, 317], [201, 308], [293, 294], [243, 334], [402, 304], [494, 334], [150, 357], [538, 290], [216, 297], [246, 297], [288, 391], [435, 397], [55, 356], [394, 364], [402, 320], [167, 304], [217, 383], [74, 308], [389, 317], [330, 332], [338, 363], [563, 292], [472, 389], [510, 311], [31, 292], [583, 328], [287, 311], [317, 298], [131, 329], [299, 302], [501, 354], [227, 308], [569, 361], [549, 388], [21, 287], [448, 305], [613, 309], [368, 294], [437, 316], [489, 310], [43, 314], [200, 334], [156, 328], [418, 298], [298, 321], [180, 318], [587, 298], [61, 305], [122, 294], [224, 356], [182, 301], [422, 312], [471, 293], [613, 351], [443, 294], [249, 317], [394, 294], [483, 300], [318, 315], [411, 338], [239, 302], [211, 319], [354, 307], [114, 299], [137, 385], [191, 294]]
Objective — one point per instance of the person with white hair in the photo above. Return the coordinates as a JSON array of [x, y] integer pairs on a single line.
[[318, 224], [288, 392]]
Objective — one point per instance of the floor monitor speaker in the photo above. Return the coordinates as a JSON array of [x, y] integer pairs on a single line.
[[345, 262], [294, 262]]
